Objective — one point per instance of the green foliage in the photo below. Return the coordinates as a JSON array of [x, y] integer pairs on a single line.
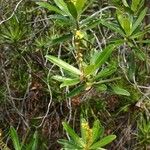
[[99, 57], [64, 65], [90, 76], [120, 91], [129, 22], [143, 132], [91, 138], [87, 73], [33, 143], [12, 31], [15, 139], [73, 9]]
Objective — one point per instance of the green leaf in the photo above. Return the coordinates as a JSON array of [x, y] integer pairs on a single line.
[[143, 41], [112, 26], [79, 5], [101, 87], [89, 69], [72, 134], [50, 7], [33, 144], [107, 80], [15, 139], [66, 81], [72, 9], [117, 42], [69, 82], [63, 20], [131, 65], [77, 91], [106, 72], [139, 34], [120, 91], [68, 144], [139, 20], [127, 25], [93, 59], [125, 22], [97, 131], [63, 6], [60, 78], [135, 4], [103, 56], [92, 24], [125, 3], [63, 64], [140, 54], [61, 39], [103, 142]]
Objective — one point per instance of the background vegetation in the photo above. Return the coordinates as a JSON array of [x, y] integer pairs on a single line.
[[74, 66]]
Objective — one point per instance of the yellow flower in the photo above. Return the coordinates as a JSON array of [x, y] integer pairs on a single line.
[[79, 34], [85, 125]]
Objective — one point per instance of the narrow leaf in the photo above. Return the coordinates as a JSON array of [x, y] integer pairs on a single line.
[[33, 144], [120, 91], [69, 82], [61, 78], [79, 5], [139, 34], [140, 54], [72, 133], [135, 4], [68, 144], [125, 3], [90, 69], [124, 22], [103, 56], [106, 72], [101, 87], [63, 6], [77, 91], [139, 20], [92, 24], [72, 9], [103, 142], [143, 41], [15, 139], [131, 65], [49, 7], [97, 131], [61, 39], [63, 64], [112, 26]]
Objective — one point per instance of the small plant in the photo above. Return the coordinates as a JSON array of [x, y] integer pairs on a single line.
[[128, 20], [90, 72], [144, 133], [12, 31], [128, 26], [33, 143], [91, 138]]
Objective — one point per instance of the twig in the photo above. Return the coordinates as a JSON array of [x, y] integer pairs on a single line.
[[12, 13]]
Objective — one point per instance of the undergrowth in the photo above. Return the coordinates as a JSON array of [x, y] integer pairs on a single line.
[[76, 70]]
